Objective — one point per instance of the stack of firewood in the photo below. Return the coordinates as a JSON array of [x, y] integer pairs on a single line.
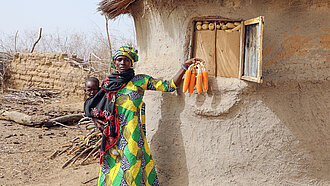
[[81, 148]]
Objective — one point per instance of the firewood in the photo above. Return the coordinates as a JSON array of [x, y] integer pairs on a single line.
[[83, 147], [80, 154], [68, 162], [89, 154], [65, 150]]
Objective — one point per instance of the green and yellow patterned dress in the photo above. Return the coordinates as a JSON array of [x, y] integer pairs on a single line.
[[134, 165]]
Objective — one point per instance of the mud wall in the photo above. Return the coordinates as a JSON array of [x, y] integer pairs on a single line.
[[275, 133], [46, 70]]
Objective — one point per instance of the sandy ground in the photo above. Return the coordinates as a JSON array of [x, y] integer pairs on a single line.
[[25, 151]]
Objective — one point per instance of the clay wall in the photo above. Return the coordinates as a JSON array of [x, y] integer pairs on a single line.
[[275, 133], [47, 70]]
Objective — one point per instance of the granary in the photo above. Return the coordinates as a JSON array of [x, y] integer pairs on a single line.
[[264, 120]]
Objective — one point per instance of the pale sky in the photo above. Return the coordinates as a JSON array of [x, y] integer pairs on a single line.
[[59, 15]]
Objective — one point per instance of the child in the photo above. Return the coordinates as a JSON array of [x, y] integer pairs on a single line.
[[92, 86]]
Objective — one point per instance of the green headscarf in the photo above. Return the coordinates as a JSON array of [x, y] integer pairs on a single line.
[[127, 51]]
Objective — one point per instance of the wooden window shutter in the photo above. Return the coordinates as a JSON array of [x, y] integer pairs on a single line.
[[204, 47], [251, 50]]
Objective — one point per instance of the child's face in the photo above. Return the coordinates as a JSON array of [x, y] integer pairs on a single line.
[[91, 88]]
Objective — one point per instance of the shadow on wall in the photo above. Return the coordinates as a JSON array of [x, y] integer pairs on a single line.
[[213, 93], [304, 110], [167, 144]]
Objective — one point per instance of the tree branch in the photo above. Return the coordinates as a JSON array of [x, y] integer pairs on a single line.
[[37, 40], [110, 48], [16, 40]]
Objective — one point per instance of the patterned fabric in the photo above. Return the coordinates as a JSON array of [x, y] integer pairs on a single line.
[[134, 164], [127, 51], [102, 106]]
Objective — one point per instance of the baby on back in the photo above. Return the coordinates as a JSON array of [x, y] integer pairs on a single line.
[[92, 86]]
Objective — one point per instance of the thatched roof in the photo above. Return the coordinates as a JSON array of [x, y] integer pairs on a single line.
[[113, 8]]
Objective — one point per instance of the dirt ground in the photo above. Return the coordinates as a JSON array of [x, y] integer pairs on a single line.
[[25, 151]]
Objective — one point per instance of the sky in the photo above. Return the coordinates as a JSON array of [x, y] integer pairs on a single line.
[[58, 16]]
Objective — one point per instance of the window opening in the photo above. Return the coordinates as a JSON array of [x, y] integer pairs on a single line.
[[231, 48]]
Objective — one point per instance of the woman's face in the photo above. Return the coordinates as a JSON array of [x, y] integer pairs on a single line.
[[123, 63]]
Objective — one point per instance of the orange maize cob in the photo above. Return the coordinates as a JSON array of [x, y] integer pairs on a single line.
[[186, 80], [192, 83], [199, 81], [205, 81]]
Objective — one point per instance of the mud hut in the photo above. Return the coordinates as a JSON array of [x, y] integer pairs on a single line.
[[242, 131]]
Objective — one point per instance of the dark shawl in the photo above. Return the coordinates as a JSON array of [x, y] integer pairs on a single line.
[[102, 106]]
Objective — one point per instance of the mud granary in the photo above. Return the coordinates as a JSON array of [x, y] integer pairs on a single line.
[[239, 132]]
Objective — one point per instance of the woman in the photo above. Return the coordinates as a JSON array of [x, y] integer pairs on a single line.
[[118, 111]]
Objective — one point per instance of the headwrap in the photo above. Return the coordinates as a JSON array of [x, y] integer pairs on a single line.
[[127, 51], [102, 106]]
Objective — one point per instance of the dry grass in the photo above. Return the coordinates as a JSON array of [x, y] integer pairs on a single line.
[[113, 8]]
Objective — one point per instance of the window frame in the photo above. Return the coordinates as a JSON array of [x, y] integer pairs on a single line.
[[258, 20]]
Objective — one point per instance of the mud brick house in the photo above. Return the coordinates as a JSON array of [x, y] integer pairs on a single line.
[[265, 119]]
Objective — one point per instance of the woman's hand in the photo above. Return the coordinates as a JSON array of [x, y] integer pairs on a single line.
[[178, 76], [99, 124], [188, 62], [191, 61]]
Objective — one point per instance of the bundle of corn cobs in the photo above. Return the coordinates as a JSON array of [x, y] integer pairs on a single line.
[[196, 75]]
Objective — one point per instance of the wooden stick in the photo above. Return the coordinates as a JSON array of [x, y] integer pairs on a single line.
[[96, 155], [67, 162], [54, 154], [90, 126], [84, 119], [67, 118], [65, 150], [16, 40], [64, 119], [89, 154], [80, 154], [215, 51], [37, 40], [85, 122], [73, 147], [110, 48], [58, 123], [77, 150], [90, 180], [96, 56], [74, 139], [91, 132]]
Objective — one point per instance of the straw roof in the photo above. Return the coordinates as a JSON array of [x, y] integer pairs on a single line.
[[113, 8]]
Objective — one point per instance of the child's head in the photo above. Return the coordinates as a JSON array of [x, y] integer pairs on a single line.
[[92, 86]]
